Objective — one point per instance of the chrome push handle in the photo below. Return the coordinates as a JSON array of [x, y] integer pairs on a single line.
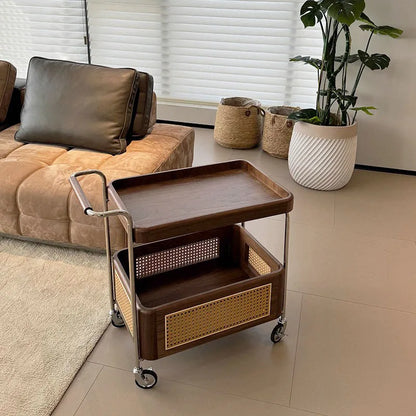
[[83, 200]]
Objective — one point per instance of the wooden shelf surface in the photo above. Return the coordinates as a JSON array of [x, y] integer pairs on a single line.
[[171, 287], [189, 200]]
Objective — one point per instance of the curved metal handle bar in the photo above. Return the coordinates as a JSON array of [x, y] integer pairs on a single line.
[[76, 186], [106, 213]]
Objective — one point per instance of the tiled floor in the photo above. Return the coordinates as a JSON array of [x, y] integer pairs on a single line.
[[351, 345]]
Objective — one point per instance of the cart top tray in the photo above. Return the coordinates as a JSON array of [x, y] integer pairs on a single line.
[[189, 200]]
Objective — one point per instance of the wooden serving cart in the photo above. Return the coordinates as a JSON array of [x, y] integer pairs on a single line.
[[198, 274]]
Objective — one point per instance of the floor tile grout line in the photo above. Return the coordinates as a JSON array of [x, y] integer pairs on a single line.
[[296, 351], [335, 227], [309, 411], [92, 384], [353, 302], [110, 366], [217, 391]]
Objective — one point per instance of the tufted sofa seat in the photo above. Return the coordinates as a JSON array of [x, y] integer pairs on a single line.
[[37, 201]]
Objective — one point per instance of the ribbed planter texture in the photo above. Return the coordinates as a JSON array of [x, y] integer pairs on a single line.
[[322, 157]]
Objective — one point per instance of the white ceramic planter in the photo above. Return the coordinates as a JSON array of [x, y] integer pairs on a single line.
[[322, 157]]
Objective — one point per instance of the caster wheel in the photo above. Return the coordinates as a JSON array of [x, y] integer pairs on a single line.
[[117, 320], [278, 332], [146, 379]]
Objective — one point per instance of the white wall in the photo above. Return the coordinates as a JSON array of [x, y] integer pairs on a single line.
[[388, 138]]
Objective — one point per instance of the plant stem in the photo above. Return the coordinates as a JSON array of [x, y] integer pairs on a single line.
[[328, 57], [320, 73], [355, 115], [361, 69]]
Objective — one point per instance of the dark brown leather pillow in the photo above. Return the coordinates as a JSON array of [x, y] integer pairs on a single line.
[[142, 120], [78, 105], [7, 78]]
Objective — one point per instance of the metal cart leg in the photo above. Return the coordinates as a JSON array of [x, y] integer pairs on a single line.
[[115, 315], [144, 378], [116, 318], [278, 332]]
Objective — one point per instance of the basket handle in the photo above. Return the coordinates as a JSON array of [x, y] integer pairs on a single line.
[[82, 198], [288, 123], [259, 110]]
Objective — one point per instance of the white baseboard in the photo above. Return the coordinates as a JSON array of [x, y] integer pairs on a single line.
[[187, 113]]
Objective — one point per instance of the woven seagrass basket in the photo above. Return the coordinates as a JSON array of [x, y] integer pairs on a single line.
[[238, 123], [277, 131]]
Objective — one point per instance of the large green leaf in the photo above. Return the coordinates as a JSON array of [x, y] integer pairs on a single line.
[[344, 11], [316, 63], [310, 13], [308, 115], [374, 61], [365, 109], [393, 32], [365, 19]]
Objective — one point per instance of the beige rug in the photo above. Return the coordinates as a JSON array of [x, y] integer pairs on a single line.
[[54, 308]]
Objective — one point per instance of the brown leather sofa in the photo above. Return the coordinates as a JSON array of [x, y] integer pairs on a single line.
[[36, 199]]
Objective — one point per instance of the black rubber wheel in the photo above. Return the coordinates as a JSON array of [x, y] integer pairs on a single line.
[[117, 320], [277, 333], [146, 380]]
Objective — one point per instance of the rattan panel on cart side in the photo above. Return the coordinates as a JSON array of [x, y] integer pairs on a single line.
[[123, 302], [219, 315]]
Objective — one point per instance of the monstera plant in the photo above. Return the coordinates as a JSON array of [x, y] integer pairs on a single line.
[[335, 102], [324, 141]]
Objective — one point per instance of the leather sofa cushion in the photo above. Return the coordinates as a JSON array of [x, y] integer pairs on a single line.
[[142, 120], [79, 105], [7, 78]]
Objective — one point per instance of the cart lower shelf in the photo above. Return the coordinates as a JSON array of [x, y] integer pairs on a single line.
[[199, 287]]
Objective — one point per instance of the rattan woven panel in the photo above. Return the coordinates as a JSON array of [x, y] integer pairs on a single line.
[[123, 302], [258, 264], [216, 316], [177, 257]]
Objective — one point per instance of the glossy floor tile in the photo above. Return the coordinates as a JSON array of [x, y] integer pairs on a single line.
[[352, 300], [77, 391], [208, 151], [114, 393], [355, 360], [345, 265], [378, 204]]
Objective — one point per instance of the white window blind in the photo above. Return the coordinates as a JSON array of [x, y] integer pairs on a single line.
[[127, 33], [48, 28], [202, 50]]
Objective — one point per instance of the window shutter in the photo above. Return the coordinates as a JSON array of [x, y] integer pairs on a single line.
[[47, 28], [202, 50]]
